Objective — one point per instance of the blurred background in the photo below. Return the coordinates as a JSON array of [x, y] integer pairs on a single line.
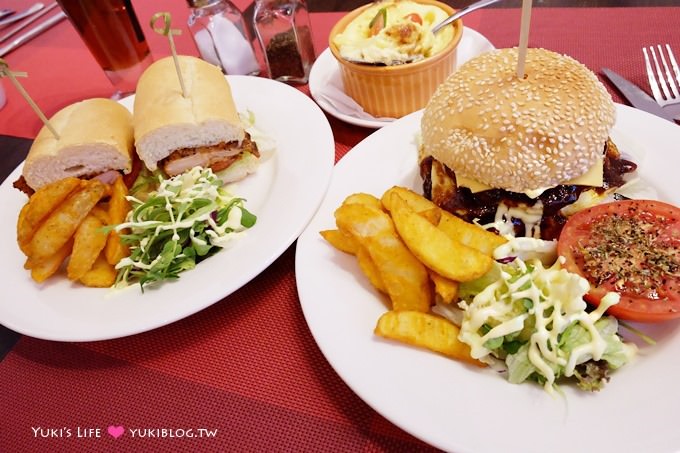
[[347, 5]]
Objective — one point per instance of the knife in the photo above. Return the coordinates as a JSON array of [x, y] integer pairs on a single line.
[[636, 96], [19, 40]]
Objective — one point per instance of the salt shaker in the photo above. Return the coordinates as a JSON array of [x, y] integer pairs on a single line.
[[221, 36], [285, 34]]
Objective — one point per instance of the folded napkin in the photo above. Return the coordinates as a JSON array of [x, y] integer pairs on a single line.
[[331, 90]]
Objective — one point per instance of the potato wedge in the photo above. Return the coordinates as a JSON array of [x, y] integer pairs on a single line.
[[436, 249], [39, 206], [405, 278], [119, 206], [445, 290], [363, 198], [101, 275], [417, 202], [426, 331], [469, 234], [44, 269], [88, 242], [62, 223], [341, 241], [369, 269]]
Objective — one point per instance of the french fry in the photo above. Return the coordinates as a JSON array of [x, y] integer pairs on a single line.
[[89, 241], [427, 331], [101, 214], [434, 248], [369, 269], [119, 207], [341, 241], [363, 198], [445, 289], [458, 229], [39, 206], [469, 234], [405, 278], [44, 269], [62, 223], [101, 275], [433, 215], [417, 202]]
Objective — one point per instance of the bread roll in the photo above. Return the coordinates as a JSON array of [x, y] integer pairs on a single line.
[[95, 135]]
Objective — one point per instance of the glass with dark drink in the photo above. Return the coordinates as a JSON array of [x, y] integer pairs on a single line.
[[111, 31]]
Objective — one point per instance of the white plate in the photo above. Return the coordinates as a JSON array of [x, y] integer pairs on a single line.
[[461, 408], [284, 194], [324, 78]]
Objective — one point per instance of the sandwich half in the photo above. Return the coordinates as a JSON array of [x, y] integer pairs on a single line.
[[176, 133], [95, 139]]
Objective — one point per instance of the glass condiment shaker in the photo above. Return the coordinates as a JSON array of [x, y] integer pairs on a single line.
[[285, 34], [222, 37]]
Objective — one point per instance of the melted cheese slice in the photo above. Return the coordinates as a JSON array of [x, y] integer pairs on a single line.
[[593, 177]]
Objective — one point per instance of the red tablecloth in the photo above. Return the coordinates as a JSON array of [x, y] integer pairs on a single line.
[[247, 368]]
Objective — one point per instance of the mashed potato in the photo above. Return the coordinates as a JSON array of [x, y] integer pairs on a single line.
[[406, 35]]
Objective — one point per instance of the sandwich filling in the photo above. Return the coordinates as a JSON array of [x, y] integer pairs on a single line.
[[216, 157]]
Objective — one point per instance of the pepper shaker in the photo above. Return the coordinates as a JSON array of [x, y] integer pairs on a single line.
[[222, 37], [285, 34]]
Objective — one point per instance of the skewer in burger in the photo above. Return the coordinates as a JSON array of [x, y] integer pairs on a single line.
[[177, 133], [95, 140], [523, 154]]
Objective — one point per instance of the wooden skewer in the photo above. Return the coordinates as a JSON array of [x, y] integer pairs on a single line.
[[523, 38], [165, 30], [12, 76]]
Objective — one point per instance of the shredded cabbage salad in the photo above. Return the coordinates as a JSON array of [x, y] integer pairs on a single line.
[[186, 219], [534, 320]]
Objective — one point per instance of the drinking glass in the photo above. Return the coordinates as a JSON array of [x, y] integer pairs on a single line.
[[112, 33]]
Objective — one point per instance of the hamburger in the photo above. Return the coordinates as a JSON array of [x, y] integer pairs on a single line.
[[521, 154], [95, 140], [176, 133]]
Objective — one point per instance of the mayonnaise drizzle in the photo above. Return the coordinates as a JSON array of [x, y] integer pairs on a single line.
[[556, 302]]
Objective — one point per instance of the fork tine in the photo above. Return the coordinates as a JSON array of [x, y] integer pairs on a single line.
[[674, 65], [652, 80], [669, 75], [661, 80]]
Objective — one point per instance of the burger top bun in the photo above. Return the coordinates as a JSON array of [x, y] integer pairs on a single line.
[[516, 134]]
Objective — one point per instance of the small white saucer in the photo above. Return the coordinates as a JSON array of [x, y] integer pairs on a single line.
[[324, 78]]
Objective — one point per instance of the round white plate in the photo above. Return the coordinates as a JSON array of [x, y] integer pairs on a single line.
[[283, 194], [324, 79], [461, 408]]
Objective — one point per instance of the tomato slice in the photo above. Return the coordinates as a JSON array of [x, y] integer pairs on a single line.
[[414, 17], [630, 247]]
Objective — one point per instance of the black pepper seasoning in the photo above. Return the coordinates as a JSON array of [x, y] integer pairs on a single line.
[[284, 33]]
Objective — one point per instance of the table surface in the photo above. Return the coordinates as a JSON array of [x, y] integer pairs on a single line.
[[247, 366]]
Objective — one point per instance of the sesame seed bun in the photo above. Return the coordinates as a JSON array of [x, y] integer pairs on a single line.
[[538, 132]]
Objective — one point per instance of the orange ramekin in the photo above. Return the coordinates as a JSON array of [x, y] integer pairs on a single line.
[[395, 91]]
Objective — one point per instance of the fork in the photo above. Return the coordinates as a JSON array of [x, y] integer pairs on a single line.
[[664, 86]]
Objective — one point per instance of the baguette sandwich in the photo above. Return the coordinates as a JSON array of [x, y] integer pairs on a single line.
[[95, 141], [177, 133]]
